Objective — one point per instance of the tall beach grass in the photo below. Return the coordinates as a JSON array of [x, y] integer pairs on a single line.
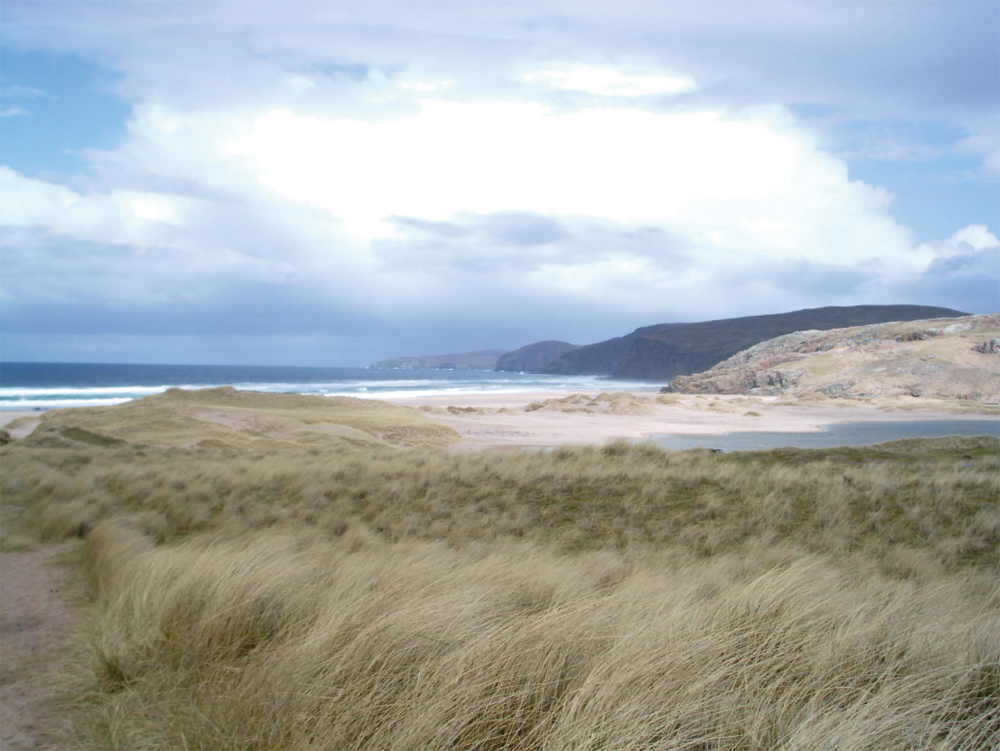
[[275, 590]]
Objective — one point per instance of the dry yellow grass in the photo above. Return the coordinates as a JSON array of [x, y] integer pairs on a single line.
[[283, 640], [251, 420], [615, 403], [260, 593]]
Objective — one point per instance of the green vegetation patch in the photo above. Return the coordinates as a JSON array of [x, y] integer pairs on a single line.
[[86, 436]]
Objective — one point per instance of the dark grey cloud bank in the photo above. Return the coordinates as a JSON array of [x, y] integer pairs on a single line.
[[915, 82]]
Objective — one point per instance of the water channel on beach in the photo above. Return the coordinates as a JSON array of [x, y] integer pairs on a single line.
[[839, 434]]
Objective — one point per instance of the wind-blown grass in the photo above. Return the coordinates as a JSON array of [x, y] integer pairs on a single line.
[[305, 594], [285, 641]]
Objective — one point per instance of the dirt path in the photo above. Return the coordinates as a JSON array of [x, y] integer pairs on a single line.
[[35, 620]]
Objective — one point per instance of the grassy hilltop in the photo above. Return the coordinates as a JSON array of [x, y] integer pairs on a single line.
[[270, 572]]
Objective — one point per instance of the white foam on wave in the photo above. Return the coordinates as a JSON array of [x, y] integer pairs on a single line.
[[45, 397], [83, 392], [31, 405]]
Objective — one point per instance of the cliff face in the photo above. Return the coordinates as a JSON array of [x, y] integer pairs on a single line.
[[664, 351], [947, 358], [534, 357], [484, 359], [601, 358], [698, 346]]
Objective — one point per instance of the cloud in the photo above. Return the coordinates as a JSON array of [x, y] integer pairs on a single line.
[[752, 184], [608, 81], [497, 175], [966, 241], [31, 93], [969, 282], [115, 217]]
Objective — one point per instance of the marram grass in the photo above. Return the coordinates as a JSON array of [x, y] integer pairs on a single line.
[[266, 591], [285, 640]]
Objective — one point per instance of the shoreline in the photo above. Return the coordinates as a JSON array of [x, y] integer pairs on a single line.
[[502, 420], [499, 421]]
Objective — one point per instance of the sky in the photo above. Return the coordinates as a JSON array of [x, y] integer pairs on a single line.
[[335, 183]]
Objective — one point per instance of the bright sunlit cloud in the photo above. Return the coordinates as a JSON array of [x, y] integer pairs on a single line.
[[609, 81], [753, 184], [383, 170]]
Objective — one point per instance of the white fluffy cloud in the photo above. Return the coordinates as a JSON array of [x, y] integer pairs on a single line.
[[343, 175], [747, 185], [967, 241], [609, 81], [732, 191], [116, 217]]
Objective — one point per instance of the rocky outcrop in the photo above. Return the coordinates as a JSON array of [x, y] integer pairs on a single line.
[[953, 359], [534, 357], [992, 347]]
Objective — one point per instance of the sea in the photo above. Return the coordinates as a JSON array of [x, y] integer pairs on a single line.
[[42, 386]]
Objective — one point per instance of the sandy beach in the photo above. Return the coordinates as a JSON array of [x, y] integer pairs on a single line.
[[501, 420], [514, 420]]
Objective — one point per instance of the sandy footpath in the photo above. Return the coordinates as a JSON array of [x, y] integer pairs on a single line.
[[486, 426], [35, 621]]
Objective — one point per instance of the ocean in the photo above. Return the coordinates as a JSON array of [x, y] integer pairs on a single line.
[[41, 386]]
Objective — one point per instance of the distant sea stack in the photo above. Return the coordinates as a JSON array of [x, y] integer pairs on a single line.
[[665, 351], [534, 357], [483, 359]]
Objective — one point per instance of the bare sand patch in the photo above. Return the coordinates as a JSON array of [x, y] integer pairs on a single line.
[[23, 427], [514, 420]]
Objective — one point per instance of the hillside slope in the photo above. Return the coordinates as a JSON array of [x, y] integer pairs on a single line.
[[663, 351], [943, 358], [600, 358], [534, 357]]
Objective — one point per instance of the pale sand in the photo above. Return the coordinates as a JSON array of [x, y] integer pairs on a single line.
[[25, 428], [693, 415]]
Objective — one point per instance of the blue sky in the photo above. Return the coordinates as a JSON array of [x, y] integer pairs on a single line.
[[336, 183]]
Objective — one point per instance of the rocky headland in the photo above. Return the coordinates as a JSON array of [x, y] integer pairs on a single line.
[[534, 357], [945, 358], [664, 351]]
